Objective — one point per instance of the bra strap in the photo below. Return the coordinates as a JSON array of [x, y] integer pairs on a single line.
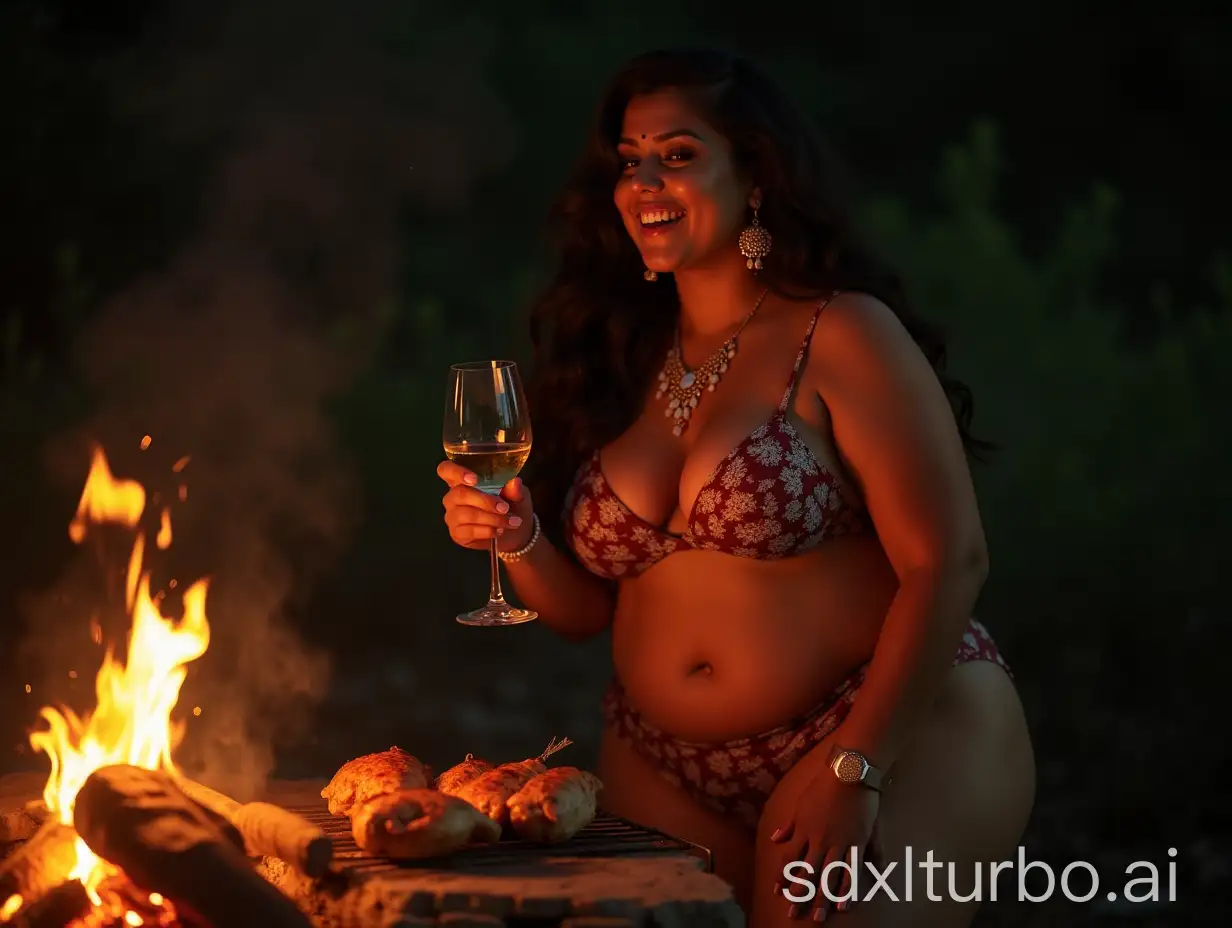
[[808, 337]]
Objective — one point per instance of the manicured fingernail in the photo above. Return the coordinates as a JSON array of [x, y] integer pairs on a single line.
[[469, 478], [794, 911], [514, 521], [502, 508], [842, 905], [778, 833], [819, 915], [778, 887]]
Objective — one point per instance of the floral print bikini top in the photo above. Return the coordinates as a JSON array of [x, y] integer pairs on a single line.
[[769, 498]]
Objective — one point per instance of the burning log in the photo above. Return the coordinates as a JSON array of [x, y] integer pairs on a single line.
[[269, 831], [22, 824], [229, 831], [59, 908], [214, 806], [141, 822], [41, 864]]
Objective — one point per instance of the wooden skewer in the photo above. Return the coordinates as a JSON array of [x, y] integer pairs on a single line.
[[269, 830]]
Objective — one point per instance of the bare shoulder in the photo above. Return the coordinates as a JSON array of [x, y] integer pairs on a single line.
[[894, 426], [857, 329]]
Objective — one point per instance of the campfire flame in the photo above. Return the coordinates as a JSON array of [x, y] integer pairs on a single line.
[[131, 721]]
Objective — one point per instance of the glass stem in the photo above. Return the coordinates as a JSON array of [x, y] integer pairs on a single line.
[[495, 596]]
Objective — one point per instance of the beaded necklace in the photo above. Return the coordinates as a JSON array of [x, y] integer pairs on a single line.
[[685, 386]]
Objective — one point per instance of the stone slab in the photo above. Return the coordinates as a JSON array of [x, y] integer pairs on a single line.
[[661, 890]]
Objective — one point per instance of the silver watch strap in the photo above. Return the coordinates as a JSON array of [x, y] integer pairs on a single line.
[[872, 777]]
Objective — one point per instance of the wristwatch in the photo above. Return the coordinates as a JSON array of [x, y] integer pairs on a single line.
[[853, 768]]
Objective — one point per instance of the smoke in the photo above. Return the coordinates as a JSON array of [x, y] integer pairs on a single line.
[[327, 122]]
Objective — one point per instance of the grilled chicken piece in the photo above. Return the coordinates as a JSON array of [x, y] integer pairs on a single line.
[[373, 775], [555, 805], [457, 776], [489, 791], [417, 823]]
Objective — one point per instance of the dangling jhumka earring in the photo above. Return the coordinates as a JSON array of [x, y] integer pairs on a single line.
[[685, 386], [650, 275], [754, 243]]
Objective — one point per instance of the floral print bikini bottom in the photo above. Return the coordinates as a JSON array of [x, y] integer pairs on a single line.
[[737, 777]]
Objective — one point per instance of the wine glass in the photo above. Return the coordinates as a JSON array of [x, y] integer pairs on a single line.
[[487, 431]]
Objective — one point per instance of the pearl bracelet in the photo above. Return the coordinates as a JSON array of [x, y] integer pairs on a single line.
[[525, 549]]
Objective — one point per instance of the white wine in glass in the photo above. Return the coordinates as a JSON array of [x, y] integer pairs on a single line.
[[487, 431], [495, 463]]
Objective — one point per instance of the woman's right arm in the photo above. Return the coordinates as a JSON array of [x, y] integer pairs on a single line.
[[570, 600]]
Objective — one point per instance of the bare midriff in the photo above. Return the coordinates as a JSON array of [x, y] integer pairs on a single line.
[[711, 647]]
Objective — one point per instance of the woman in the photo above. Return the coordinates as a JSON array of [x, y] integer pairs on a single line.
[[746, 466]]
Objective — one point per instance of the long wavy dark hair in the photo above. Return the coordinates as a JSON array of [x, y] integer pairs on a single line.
[[599, 331]]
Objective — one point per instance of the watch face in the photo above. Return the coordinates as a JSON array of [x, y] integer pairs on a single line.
[[850, 767]]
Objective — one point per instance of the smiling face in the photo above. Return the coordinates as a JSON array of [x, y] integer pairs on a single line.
[[679, 195]]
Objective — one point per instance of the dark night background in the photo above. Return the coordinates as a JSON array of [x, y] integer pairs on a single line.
[[260, 232]]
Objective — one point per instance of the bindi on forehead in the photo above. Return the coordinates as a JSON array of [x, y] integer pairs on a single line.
[[667, 136], [655, 115]]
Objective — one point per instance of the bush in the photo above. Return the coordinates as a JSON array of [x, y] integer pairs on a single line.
[[1111, 452]]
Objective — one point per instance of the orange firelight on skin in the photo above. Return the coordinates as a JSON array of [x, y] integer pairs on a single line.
[[131, 720]]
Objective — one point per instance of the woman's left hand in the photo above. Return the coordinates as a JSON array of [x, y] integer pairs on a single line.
[[829, 820]]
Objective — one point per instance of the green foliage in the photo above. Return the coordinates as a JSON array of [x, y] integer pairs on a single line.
[[1111, 452]]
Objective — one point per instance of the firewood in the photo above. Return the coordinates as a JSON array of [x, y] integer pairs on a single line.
[[141, 822], [228, 829], [268, 830], [16, 825], [215, 806], [272, 831], [58, 908], [40, 864], [21, 823], [209, 798]]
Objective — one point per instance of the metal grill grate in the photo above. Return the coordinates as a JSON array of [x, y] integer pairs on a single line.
[[607, 836]]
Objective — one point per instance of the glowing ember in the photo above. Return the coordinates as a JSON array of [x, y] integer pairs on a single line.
[[131, 721], [164, 530]]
